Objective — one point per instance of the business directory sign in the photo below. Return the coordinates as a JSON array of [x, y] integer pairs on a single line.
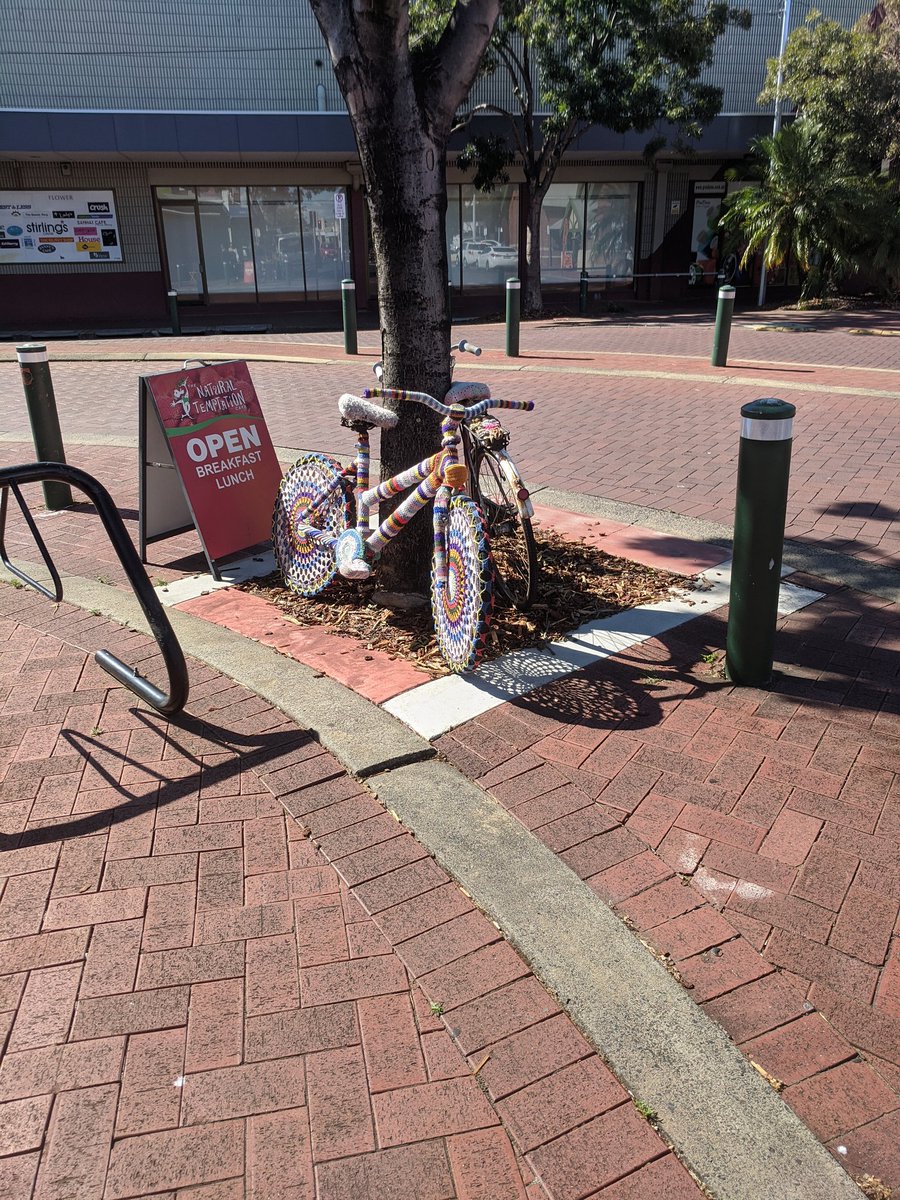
[[59, 227]]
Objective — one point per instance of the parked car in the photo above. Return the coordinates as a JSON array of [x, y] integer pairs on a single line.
[[472, 251], [500, 256]]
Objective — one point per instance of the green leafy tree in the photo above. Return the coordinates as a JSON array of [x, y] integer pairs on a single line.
[[846, 82], [625, 65], [811, 205], [403, 88]]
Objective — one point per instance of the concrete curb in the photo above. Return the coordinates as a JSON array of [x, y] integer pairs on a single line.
[[736, 1134]]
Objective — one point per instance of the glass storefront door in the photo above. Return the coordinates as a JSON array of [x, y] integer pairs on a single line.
[[179, 224]]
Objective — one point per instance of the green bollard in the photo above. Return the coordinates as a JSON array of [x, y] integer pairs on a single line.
[[583, 293], [174, 315], [764, 466], [34, 363], [724, 313], [348, 301], [513, 304]]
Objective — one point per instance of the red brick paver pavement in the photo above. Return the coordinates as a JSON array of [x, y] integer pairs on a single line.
[[753, 836], [209, 937]]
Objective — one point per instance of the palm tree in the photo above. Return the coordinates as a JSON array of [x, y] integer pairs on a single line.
[[808, 204]]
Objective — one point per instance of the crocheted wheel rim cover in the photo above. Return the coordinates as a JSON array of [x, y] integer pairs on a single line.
[[307, 566], [462, 610]]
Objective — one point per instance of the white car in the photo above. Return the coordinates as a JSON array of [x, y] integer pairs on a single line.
[[501, 256], [472, 251]]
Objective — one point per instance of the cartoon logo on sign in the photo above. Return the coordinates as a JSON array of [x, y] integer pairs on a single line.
[[181, 399]]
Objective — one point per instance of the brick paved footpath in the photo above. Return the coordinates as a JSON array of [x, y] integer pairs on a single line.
[[753, 836], [216, 958]]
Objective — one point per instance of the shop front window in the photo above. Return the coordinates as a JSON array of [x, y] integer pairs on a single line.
[[611, 227], [277, 244], [562, 232], [489, 240], [227, 244], [278, 241], [326, 239], [454, 236]]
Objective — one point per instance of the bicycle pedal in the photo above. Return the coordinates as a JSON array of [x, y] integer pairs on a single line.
[[349, 554]]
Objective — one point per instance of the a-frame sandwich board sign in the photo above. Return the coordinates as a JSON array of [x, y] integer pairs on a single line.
[[206, 460]]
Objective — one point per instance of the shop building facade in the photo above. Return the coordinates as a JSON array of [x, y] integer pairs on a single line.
[[204, 148]]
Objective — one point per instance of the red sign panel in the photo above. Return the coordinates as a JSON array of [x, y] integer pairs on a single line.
[[221, 448]]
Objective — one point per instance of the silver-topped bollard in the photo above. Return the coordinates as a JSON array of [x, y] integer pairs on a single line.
[[724, 313], [34, 363], [764, 467], [513, 313], [348, 303]]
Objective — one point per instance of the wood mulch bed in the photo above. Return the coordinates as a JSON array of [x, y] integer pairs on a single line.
[[578, 583]]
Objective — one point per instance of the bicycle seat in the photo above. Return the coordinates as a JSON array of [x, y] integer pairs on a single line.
[[467, 393], [354, 408]]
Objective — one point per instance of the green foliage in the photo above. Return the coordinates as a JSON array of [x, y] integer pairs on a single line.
[[816, 207], [490, 157], [622, 65], [842, 81]]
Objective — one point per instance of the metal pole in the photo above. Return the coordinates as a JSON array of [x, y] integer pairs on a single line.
[[348, 303], [583, 293], [764, 465], [513, 303], [34, 363], [776, 123], [722, 332], [174, 315]]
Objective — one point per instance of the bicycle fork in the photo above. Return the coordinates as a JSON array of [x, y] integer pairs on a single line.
[[455, 476]]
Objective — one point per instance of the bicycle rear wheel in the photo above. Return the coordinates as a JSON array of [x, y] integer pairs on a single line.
[[306, 564], [462, 607], [511, 536]]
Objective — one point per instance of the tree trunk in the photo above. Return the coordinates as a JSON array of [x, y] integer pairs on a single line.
[[407, 202], [532, 300]]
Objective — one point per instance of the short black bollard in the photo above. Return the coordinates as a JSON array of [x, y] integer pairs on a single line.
[[34, 363], [724, 313], [174, 315], [348, 302], [583, 293], [764, 467], [513, 303]]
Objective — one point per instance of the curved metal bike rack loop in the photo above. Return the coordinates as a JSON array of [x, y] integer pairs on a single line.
[[11, 478]]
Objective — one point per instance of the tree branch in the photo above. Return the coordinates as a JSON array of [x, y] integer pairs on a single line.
[[503, 112], [457, 58]]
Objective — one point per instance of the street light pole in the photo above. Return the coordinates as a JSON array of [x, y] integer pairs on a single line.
[[776, 124]]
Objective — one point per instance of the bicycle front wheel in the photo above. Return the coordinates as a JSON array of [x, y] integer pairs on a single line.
[[462, 605], [307, 565], [511, 536]]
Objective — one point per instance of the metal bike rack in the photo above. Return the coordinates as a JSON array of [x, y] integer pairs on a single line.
[[11, 478]]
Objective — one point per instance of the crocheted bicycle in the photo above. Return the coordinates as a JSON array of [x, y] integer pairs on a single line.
[[327, 516]]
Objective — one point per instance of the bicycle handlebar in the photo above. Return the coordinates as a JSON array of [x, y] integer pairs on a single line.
[[435, 405], [467, 347]]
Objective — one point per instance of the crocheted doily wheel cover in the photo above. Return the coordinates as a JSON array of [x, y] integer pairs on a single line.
[[307, 566], [462, 610]]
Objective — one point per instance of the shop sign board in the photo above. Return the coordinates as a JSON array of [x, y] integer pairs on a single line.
[[204, 426], [59, 227]]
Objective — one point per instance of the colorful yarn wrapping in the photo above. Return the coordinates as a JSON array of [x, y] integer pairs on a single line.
[[362, 482], [312, 509], [403, 514], [463, 600]]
